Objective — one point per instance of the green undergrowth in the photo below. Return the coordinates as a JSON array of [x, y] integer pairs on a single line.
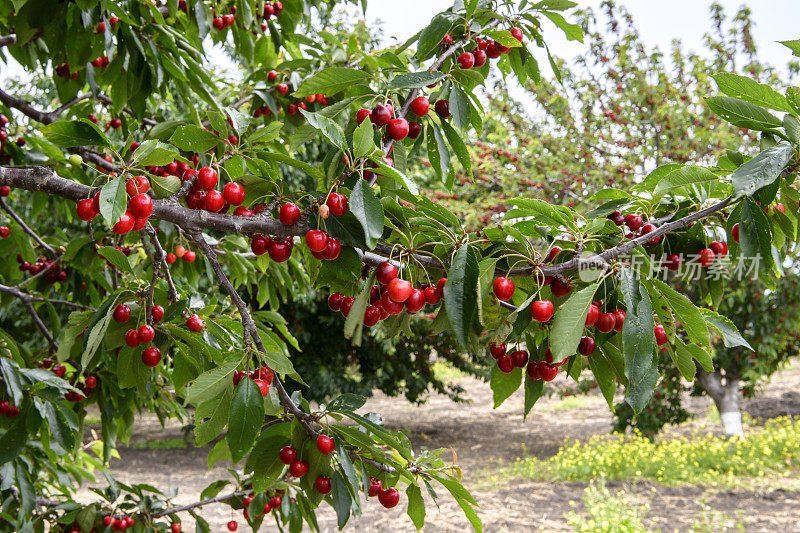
[[770, 452]]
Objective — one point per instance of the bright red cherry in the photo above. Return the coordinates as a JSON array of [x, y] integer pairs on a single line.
[[375, 487], [466, 60], [132, 338], [362, 114], [151, 356], [397, 129], [385, 273], [605, 322], [389, 497], [586, 346], [215, 201], [542, 310], [497, 350], [554, 251], [390, 306], [347, 304], [316, 240], [479, 58], [272, 75], [517, 33], [372, 315], [432, 295], [171, 258], [592, 315], [619, 320], [121, 313], [503, 288], [108, 521], [288, 455], [141, 206], [289, 214], [124, 224], [548, 372], [325, 444], [719, 248], [5, 190], [337, 203], [207, 178], [189, 256], [520, 358], [335, 301], [673, 262], [505, 363], [420, 106], [262, 385], [442, 108], [283, 88], [233, 525], [280, 252], [157, 313], [414, 129], [381, 115], [146, 333], [259, 244], [633, 221], [649, 228], [195, 323], [91, 382], [218, 23], [323, 485], [233, 193], [705, 257], [415, 301], [5, 231], [332, 249], [298, 468], [399, 290], [175, 527], [137, 185], [735, 232], [86, 210], [661, 335]]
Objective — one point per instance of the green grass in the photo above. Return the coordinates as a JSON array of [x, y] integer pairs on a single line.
[[608, 513], [442, 370], [768, 453]]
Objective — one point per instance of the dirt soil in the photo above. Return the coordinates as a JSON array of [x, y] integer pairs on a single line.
[[482, 437]]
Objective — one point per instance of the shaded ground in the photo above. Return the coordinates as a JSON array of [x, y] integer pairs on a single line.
[[481, 437]]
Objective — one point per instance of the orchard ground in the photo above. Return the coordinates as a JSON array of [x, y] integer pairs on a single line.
[[489, 440]]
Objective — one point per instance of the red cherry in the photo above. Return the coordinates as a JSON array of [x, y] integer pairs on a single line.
[[432, 295], [298, 468], [673, 262], [560, 288], [633, 221], [283, 88], [735, 232], [5, 190], [542, 310], [146, 333], [390, 306], [466, 60], [325, 444], [171, 258], [275, 502], [108, 521], [5, 231], [121, 313], [548, 372], [520, 358], [385, 272], [151, 356], [124, 224], [347, 304], [332, 249], [233, 525], [337, 203], [592, 315], [271, 75], [288, 455], [323, 485], [335, 301], [175, 527], [399, 290], [517, 33], [605, 322], [649, 228], [619, 320], [189, 256], [259, 244], [478, 58], [372, 315], [719, 248], [705, 257], [207, 178], [554, 251], [505, 363], [262, 385], [381, 115], [442, 108], [132, 338], [157, 313], [415, 301], [420, 106], [279, 251], [414, 129], [534, 369], [661, 335], [375, 487], [440, 286], [141, 206], [316, 240], [228, 19], [91, 382], [586, 346], [137, 185], [86, 210], [397, 129], [214, 201], [497, 350], [389, 497], [194, 323], [218, 23], [362, 114], [503, 288], [139, 224]]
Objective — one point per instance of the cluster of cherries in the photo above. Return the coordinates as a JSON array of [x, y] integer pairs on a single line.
[[3, 138], [123, 523], [140, 206], [634, 223], [7, 409], [144, 334], [88, 385], [181, 253], [204, 196], [391, 297], [261, 376], [485, 49], [174, 168], [55, 274]]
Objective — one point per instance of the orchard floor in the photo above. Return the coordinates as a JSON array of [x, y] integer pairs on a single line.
[[484, 437]]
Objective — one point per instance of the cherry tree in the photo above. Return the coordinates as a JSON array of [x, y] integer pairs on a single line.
[[158, 216]]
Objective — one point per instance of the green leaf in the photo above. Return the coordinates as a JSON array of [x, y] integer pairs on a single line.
[[503, 385], [416, 506], [239, 120], [331, 80], [762, 170], [245, 419], [682, 177], [504, 37], [356, 315], [113, 200], [72, 133], [751, 91], [573, 32], [432, 35], [461, 292], [97, 329], [460, 108], [192, 138], [363, 141], [638, 341], [13, 440], [683, 360], [755, 234], [328, 128], [164, 186], [458, 146], [368, 210], [794, 46], [391, 172], [116, 258], [533, 391], [569, 321], [437, 151], [730, 333], [341, 499], [292, 162], [604, 376], [743, 114], [211, 384], [688, 314], [415, 80], [153, 152]]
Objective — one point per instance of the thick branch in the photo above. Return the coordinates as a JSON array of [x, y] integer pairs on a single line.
[[190, 506], [7, 40]]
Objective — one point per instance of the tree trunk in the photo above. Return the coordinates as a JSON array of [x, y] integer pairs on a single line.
[[725, 393]]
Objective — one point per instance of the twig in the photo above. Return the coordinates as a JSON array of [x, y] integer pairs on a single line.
[[161, 256], [190, 506], [5, 207]]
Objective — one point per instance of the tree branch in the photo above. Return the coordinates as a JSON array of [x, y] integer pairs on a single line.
[[161, 257], [5, 207], [190, 506]]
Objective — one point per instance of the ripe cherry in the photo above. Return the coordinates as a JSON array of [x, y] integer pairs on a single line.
[[397, 129], [175, 527], [503, 288], [146, 334], [705, 257], [5, 231], [124, 224], [432, 295], [497, 350], [586, 346], [323, 485], [390, 306], [633, 221], [440, 286], [288, 455], [316, 240], [442, 108], [262, 385], [86, 210], [139, 224], [735, 232], [415, 301], [215, 201], [272, 75], [171, 258], [414, 129], [280, 252], [5, 190], [592, 315], [337, 203], [720, 248], [385, 272], [189, 256], [325, 444], [233, 525], [649, 228], [560, 288], [399, 290], [673, 262], [121, 313], [548, 372], [362, 114], [375, 487], [194, 323], [91, 382], [520, 358], [151, 356], [372, 315], [132, 338], [389, 497], [218, 23], [283, 88], [542, 310], [207, 178], [479, 58], [381, 115], [298, 468], [275, 502], [420, 106], [619, 320], [335, 301], [605, 322], [517, 33], [141, 206], [332, 249], [552, 254], [466, 60], [661, 335], [259, 244], [137, 185], [157, 313], [505, 363], [347, 304], [289, 214]]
